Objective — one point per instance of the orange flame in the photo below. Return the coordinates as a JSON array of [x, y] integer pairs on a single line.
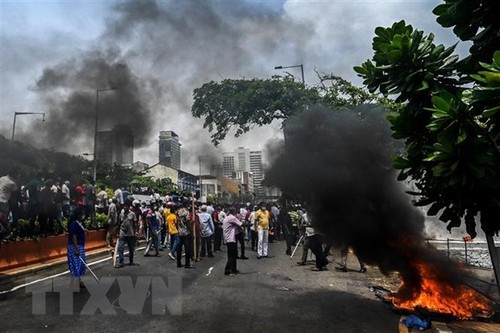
[[442, 297]]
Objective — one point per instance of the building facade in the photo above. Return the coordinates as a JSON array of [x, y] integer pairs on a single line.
[[116, 146], [228, 165], [257, 170], [170, 150], [243, 164]]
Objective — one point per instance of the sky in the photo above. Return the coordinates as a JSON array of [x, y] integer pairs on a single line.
[[56, 54]]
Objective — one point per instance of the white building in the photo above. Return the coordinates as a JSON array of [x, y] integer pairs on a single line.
[[240, 161], [257, 171]]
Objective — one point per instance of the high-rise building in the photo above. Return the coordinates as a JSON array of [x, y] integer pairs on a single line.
[[244, 160], [228, 165], [257, 170], [116, 146], [170, 150]]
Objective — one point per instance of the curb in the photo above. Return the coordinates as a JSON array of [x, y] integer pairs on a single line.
[[13, 277]]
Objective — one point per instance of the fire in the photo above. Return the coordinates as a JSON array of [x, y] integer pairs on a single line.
[[436, 295]]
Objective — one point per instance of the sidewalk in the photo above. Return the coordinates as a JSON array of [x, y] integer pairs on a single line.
[[485, 283]]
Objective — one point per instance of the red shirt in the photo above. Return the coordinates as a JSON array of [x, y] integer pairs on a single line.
[[79, 195]]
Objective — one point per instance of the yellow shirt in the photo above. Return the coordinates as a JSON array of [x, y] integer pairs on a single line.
[[262, 219], [172, 224]]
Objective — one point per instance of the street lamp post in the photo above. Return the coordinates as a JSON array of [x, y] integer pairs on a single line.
[[294, 66], [201, 184], [21, 114], [201, 180], [95, 128]]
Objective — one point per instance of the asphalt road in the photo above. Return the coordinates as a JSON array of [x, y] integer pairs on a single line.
[[269, 295]]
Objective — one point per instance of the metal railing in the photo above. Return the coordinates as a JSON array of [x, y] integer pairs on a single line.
[[463, 249]]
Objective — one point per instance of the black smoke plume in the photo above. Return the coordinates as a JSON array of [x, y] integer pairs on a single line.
[[69, 92], [157, 53], [339, 162]]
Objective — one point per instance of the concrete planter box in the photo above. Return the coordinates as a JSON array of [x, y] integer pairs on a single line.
[[29, 252]]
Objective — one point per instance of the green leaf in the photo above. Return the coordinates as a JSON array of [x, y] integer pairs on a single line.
[[496, 58], [440, 9], [491, 112], [424, 86], [461, 137], [360, 70], [440, 103]]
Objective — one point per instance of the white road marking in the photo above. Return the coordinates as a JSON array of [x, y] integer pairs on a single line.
[[55, 275], [210, 270]]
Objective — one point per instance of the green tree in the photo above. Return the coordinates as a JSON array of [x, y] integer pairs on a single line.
[[242, 104], [114, 176], [450, 128]]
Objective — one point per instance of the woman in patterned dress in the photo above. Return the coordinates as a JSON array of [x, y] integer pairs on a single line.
[[76, 249]]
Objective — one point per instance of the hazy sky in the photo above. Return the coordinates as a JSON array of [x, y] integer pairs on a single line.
[[55, 54]]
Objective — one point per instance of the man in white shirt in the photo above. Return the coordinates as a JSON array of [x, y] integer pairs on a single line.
[[7, 186], [119, 197], [66, 199], [102, 200]]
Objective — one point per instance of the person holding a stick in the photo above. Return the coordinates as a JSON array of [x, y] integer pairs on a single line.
[[76, 249]]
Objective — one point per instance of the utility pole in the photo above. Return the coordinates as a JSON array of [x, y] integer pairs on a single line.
[[21, 114]]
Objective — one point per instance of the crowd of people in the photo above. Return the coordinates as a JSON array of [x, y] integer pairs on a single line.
[[192, 230], [180, 227], [44, 203]]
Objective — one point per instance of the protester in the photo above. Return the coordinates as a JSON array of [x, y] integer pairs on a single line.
[[102, 200], [254, 236], [154, 230], [76, 249], [207, 231], [66, 202], [79, 195], [342, 266], [218, 229], [127, 235], [7, 187], [262, 219], [183, 227], [32, 189], [90, 199], [285, 221], [173, 232], [47, 208], [58, 199], [196, 235], [240, 236], [112, 223], [119, 197], [231, 226]]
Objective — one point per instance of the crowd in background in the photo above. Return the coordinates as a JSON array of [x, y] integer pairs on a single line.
[[180, 226]]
